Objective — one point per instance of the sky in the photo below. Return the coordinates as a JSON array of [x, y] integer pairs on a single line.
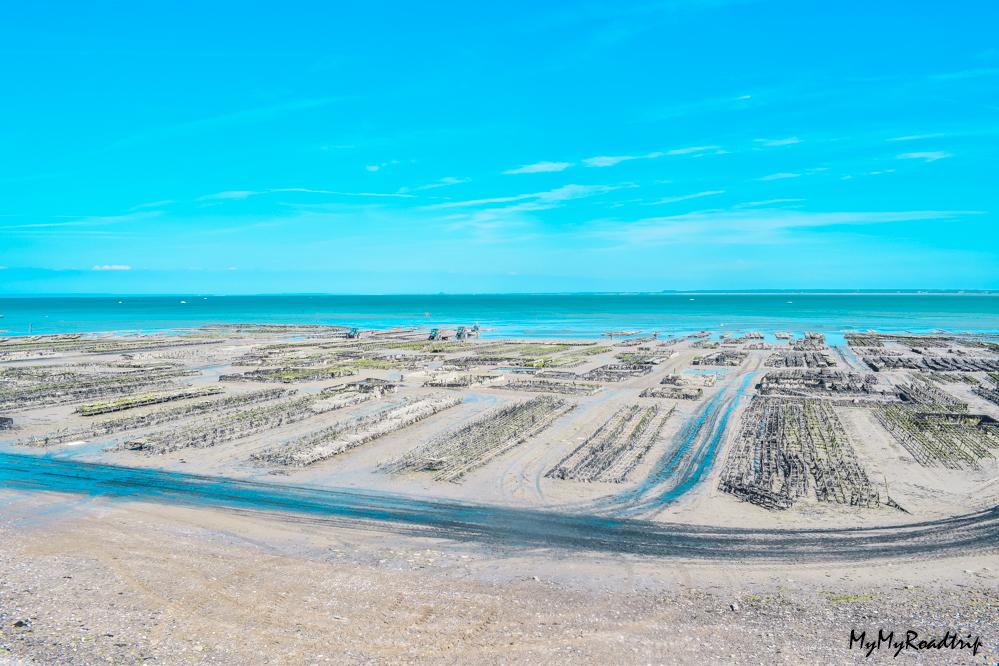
[[389, 147]]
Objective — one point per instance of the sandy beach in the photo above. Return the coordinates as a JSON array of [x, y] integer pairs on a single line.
[[592, 442]]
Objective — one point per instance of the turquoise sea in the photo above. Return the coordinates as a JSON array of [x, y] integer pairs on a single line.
[[519, 315]]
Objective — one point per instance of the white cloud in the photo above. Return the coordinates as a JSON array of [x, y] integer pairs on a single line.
[[112, 267], [230, 194], [567, 192], [151, 204], [490, 224], [307, 190], [447, 181], [692, 150], [783, 175], [612, 160], [539, 167], [83, 225], [381, 165], [471, 203], [607, 160], [916, 137], [880, 172], [508, 219], [926, 156], [748, 226], [236, 195], [535, 200], [770, 202], [696, 107], [774, 143], [687, 197]]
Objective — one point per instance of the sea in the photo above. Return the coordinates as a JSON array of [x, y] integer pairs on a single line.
[[519, 315]]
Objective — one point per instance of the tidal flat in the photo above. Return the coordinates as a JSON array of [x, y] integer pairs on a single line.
[[247, 492]]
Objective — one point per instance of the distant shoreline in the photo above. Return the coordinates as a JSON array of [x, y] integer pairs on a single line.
[[705, 292]]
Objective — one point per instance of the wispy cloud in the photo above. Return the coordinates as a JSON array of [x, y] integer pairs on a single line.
[[688, 197], [693, 150], [613, 160], [737, 226], [97, 221], [534, 200], [490, 225], [926, 156], [229, 195], [601, 161], [112, 267], [235, 195], [775, 143], [769, 202], [916, 137], [151, 204], [703, 106], [879, 172], [373, 168], [339, 193], [782, 175], [539, 167], [509, 219], [447, 181]]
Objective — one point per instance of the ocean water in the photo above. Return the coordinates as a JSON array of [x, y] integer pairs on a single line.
[[518, 315]]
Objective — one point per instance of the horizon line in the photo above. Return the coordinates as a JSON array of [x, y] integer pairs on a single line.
[[875, 291]]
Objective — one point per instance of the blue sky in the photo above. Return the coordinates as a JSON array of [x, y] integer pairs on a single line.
[[497, 147]]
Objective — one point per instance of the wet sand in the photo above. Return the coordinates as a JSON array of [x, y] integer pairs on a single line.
[[215, 555]]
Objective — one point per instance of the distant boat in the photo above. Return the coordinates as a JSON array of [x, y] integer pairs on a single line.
[[183, 302], [789, 302]]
